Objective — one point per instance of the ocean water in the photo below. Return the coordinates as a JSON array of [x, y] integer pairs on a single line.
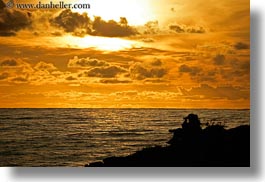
[[75, 137]]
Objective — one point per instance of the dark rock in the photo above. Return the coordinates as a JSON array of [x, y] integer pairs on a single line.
[[95, 164], [209, 147]]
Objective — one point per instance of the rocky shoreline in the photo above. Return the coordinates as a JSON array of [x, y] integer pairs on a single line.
[[192, 146]]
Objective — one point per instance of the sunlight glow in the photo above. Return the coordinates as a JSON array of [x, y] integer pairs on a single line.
[[137, 12], [100, 43]]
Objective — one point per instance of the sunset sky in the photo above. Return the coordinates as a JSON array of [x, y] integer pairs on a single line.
[[126, 54]]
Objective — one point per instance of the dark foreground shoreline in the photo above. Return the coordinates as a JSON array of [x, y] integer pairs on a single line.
[[213, 146]]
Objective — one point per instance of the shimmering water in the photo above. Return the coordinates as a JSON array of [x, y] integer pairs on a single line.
[[74, 137]]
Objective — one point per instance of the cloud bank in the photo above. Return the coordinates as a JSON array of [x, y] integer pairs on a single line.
[[12, 20]]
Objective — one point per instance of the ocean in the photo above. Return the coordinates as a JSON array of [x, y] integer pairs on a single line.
[[75, 137]]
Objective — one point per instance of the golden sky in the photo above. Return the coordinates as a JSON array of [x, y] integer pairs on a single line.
[[126, 53]]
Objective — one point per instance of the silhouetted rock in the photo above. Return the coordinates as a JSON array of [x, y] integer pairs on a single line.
[[95, 164], [192, 146]]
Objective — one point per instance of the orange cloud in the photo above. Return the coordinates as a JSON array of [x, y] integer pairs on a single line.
[[85, 62], [205, 91], [147, 69]]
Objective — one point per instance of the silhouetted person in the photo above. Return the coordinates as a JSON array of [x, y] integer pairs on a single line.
[[192, 129], [194, 122]]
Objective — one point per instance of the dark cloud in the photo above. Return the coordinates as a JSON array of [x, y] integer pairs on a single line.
[[15, 67], [237, 69], [57, 34], [20, 80], [81, 25], [222, 92], [245, 65], [7, 34], [112, 28], [21, 71], [191, 70], [222, 67], [151, 27], [114, 81], [103, 72], [72, 22], [4, 76], [70, 78], [7, 63], [186, 29], [85, 62], [156, 62], [196, 30], [176, 28], [241, 45], [198, 73], [12, 20], [112, 74], [2, 5], [155, 80], [151, 69], [208, 76], [219, 59]]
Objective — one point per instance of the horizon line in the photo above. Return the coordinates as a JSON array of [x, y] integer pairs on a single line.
[[124, 108]]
